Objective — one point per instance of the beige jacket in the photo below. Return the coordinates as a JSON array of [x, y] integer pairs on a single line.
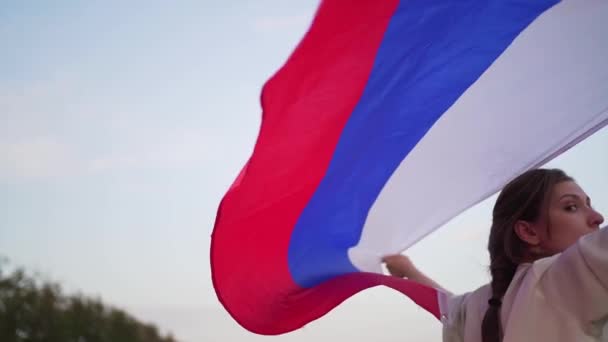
[[563, 298]]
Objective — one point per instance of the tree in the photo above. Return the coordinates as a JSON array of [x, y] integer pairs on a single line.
[[32, 310]]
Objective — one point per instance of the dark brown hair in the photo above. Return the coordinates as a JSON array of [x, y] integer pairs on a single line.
[[524, 198]]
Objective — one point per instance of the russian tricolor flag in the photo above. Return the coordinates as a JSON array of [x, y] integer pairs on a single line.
[[390, 118]]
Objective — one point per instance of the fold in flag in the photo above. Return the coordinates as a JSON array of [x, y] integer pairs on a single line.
[[389, 119]]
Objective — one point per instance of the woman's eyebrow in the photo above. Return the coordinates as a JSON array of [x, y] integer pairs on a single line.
[[569, 195], [587, 199]]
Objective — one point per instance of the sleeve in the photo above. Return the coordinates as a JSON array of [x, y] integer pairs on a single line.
[[577, 281], [453, 315]]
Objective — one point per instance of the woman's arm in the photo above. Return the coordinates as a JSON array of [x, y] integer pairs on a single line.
[[401, 266], [578, 278]]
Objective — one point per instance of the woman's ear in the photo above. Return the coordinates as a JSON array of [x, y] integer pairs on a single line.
[[527, 232]]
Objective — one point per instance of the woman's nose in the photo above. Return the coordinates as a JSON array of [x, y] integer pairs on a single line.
[[596, 219]]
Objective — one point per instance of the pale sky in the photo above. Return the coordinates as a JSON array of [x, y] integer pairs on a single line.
[[122, 126]]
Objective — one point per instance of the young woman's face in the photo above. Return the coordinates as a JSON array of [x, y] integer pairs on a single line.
[[570, 216]]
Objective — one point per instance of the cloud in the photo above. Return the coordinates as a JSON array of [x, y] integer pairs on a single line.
[[174, 150], [280, 23], [44, 158], [64, 126], [34, 106], [38, 158], [473, 235], [50, 130]]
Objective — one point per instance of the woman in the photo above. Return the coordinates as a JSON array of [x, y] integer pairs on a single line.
[[549, 267]]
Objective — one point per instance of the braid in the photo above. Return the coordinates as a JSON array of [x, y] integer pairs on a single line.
[[502, 270]]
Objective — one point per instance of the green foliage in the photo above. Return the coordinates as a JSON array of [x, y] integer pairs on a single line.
[[35, 311]]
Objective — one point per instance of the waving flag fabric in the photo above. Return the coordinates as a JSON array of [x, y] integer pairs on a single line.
[[389, 119]]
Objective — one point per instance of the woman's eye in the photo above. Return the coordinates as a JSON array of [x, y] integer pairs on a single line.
[[571, 207]]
